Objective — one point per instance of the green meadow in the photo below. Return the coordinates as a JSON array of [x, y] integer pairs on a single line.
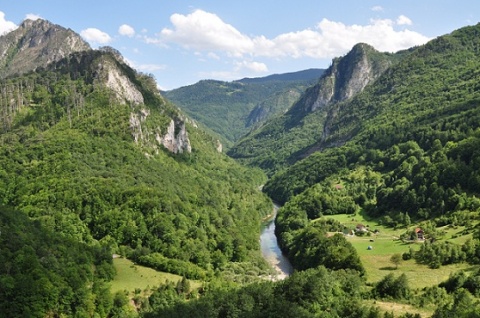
[[131, 277], [386, 242]]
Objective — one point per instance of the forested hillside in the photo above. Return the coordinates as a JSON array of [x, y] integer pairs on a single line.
[[231, 109], [94, 155], [43, 273], [407, 151]]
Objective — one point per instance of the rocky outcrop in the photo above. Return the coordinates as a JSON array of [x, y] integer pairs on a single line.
[[219, 146], [176, 138], [347, 76], [125, 91], [36, 44]]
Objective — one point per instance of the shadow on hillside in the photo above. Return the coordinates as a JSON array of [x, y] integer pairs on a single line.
[[388, 268]]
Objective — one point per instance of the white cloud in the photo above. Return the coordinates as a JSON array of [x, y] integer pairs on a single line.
[[126, 30], [96, 36], [149, 68], [203, 31], [32, 16], [256, 67], [213, 56], [220, 75], [403, 20], [377, 8], [6, 26]]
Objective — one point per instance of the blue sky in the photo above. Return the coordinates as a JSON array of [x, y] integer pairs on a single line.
[[183, 41]]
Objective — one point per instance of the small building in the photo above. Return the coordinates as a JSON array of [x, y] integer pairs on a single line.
[[361, 228], [419, 233]]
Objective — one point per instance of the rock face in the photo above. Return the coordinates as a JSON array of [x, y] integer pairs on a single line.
[[347, 76], [119, 83], [36, 44], [174, 139]]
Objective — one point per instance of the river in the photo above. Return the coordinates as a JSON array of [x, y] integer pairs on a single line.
[[270, 249]]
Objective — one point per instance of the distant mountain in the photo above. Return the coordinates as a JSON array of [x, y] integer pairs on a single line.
[[36, 44], [282, 140], [305, 75], [231, 109]]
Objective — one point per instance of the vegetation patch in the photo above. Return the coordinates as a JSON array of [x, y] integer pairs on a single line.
[[131, 277]]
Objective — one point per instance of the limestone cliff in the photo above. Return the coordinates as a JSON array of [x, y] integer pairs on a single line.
[[112, 76], [347, 76], [174, 137]]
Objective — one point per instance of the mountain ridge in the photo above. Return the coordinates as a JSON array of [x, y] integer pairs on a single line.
[[308, 74], [36, 43]]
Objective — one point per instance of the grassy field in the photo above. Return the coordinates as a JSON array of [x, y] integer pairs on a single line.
[[386, 243], [399, 309], [130, 277]]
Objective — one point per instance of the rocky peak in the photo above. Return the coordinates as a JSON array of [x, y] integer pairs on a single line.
[[347, 76], [34, 44]]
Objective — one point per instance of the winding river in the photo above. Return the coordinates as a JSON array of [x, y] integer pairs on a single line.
[[270, 249]]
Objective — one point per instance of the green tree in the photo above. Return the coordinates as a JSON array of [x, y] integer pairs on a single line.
[[396, 259]]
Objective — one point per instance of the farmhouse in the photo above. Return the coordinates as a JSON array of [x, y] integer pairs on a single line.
[[361, 228], [419, 233]]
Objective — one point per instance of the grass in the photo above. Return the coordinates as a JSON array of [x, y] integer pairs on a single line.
[[131, 276], [398, 308], [386, 243]]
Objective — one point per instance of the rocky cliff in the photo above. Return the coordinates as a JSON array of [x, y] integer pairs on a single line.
[[347, 76]]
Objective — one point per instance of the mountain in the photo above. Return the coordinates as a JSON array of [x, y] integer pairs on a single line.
[[283, 140], [415, 128], [402, 154], [305, 75], [36, 44], [93, 154], [231, 109]]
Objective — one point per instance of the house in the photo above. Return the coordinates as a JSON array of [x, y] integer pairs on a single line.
[[419, 233], [361, 228]]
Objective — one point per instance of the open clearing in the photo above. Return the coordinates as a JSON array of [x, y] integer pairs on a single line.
[[131, 276], [386, 243]]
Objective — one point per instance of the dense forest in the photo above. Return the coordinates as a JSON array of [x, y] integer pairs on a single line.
[[70, 163]]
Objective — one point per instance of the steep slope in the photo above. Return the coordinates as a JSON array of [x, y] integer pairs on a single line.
[[36, 44], [91, 150], [284, 140], [231, 109], [44, 274]]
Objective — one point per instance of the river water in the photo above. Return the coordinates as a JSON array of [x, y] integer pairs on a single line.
[[271, 251]]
